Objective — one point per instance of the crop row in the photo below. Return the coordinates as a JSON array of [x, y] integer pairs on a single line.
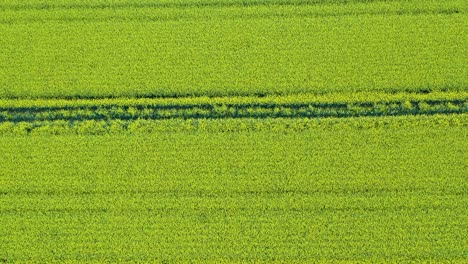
[[165, 12], [275, 125], [232, 110], [115, 4], [65, 102]]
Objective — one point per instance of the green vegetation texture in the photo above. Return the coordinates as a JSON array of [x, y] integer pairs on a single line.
[[233, 131], [328, 195], [230, 47], [292, 106]]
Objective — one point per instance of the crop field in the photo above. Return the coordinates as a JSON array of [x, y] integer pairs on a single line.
[[171, 48], [233, 131]]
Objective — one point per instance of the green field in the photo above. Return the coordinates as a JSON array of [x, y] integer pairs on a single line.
[[317, 195], [94, 48], [233, 131]]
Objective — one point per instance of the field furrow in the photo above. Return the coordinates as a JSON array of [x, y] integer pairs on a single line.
[[17, 111]]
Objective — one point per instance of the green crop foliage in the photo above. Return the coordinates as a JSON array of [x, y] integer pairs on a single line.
[[386, 194], [233, 131], [195, 125], [291, 106], [233, 47]]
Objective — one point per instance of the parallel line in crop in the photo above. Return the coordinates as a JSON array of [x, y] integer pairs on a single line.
[[233, 109], [174, 192], [156, 18], [152, 13], [174, 4], [243, 125]]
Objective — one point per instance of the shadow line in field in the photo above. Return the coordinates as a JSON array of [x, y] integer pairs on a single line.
[[176, 4], [182, 17], [230, 110]]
